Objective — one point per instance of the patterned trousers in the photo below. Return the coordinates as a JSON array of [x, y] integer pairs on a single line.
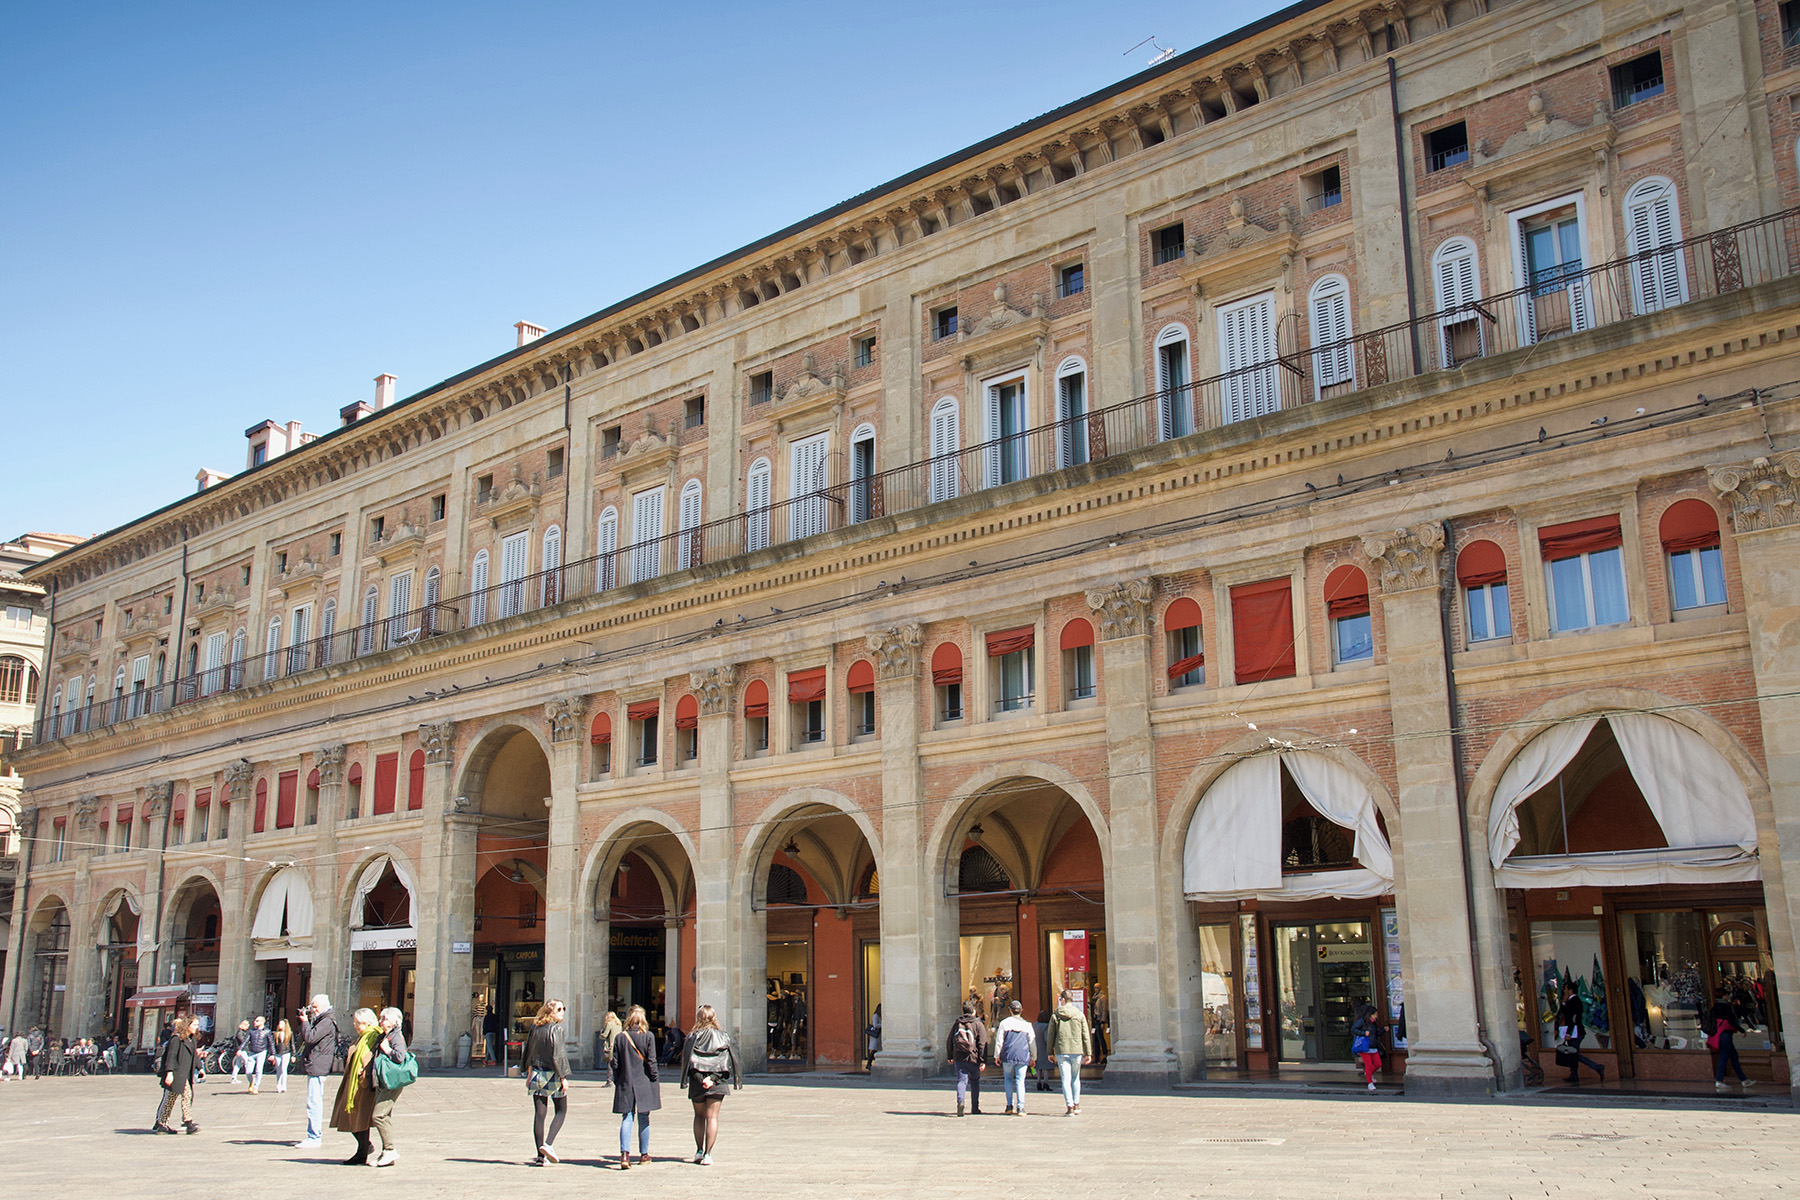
[[168, 1104]]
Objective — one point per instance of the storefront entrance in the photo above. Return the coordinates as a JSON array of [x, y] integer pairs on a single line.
[[789, 998], [1323, 972]]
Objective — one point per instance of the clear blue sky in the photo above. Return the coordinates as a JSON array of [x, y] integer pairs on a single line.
[[216, 214]]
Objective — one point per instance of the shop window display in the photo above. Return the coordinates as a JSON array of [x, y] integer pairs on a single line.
[[1077, 961], [987, 973], [1565, 955], [786, 993], [1216, 1004], [1680, 963]]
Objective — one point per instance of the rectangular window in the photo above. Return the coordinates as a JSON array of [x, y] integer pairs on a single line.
[[1639, 79], [950, 700], [281, 562], [1168, 244], [1697, 577], [762, 387], [1247, 353], [1490, 612], [1352, 638], [1588, 590], [1071, 280], [863, 706], [514, 551], [553, 463], [1262, 630], [756, 734], [387, 781], [377, 527], [1079, 664], [1006, 421], [943, 323], [1184, 648], [287, 795], [484, 489], [1010, 653], [610, 438], [437, 507], [1790, 23], [687, 744], [865, 351], [693, 412], [1447, 147], [1324, 189], [337, 544], [647, 741]]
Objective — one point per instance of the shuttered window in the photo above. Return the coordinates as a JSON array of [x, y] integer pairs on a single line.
[[1246, 350], [806, 480], [1174, 399], [399, 606], [606, 548], [757, 496], [687, 521], [1333, 361], [646, 535], [478, 583], [1003, 428], [1071, 413], [1652, 222], [513, 553], [550, 578], [1262, 630], [946, 440], [1458, 289], [371, 610]]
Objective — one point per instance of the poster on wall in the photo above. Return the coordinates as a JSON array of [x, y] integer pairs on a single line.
[[1396, 994], [1253, 1025]]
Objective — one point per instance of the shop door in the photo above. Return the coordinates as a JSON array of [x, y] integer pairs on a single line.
[[789, 994], [1324, 971]]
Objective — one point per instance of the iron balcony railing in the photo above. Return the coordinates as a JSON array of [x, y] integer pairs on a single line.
[[1564, 302]]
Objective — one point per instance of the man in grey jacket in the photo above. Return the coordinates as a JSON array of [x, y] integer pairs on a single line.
[[318, 1046]]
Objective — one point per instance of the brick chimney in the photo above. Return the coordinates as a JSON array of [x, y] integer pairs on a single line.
[[384, 390], [529, 332]]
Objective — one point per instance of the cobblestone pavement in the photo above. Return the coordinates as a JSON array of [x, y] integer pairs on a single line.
[[470, 1136]]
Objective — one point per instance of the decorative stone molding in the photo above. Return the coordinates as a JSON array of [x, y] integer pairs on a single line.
[[896, 650], [157, 797], [70, 648], [1764, 493], [713, 689], [513, 503], [1406, 558], [438, 741], [28, 822], [460, 805], [237, 781], [86, 809], [564, 715], [1123, 608], [329, 762], [220, 597]]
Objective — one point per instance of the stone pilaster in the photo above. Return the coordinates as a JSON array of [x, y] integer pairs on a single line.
[[331, 945], [1143, 1043], [81, 995], [12, 999], [158, 798], [446, 879], [716, 939], [562, 906], [1445, 1055], [235, 954], [1764, 495]]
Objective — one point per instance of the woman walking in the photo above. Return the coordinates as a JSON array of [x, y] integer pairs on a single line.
[[1363, 1032], [709, 1068], [1571, 1029], [390, 1046], [176, 1066], [1074, 1049], [546, 1065], [609, 1033], [283, 1052], [636, 1093], [1723, 1043], [354, 1109]]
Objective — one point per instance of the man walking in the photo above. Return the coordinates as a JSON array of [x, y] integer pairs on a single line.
[[34, 1052], [1073, 1043], [318, 1046], [1015, 1045], [257, 1043], [968, 1046], [239, 1059]]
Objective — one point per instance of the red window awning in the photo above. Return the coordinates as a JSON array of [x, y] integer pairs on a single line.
[[1346, 592], [687, 713], [1184, 613], [861, 678], [1481, 564], [1076, 634], [1580, 537], [1262, 626], [1689, 525], [946, 665], [756, 699], [1011, 641], [644, 710], [600, 733], [122, 813], [806, 686]]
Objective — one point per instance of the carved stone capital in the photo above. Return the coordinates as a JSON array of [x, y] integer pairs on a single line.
[[237, 781], [1406, 558], [329, 760], [1123, 608], [438, 741], [713, 689], [896, 650], [28, 823], [1764, 493], [564, 715], [156, 799], [86, 809]]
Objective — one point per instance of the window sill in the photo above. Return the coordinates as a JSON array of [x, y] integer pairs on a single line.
[[1082, 702], [1700, 612]]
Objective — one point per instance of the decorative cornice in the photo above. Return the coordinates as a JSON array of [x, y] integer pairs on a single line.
[[564, 715], [1123, 608], [1405, 559], [518, 499], [329, 762], [1762, 492], [438, 741], [896, 650], [713, 689]]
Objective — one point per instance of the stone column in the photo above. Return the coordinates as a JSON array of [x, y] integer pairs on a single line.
[[446, 882], [157, 799], [81, 973], [1143, 1043], [330, 946], [913, 1002], [13, 999], [562, 907], [715, 939], [1445, 1054], [674, 987], [1764, 495], [235, 954]]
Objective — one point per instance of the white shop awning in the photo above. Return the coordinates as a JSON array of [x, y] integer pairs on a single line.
[[393, 938], [286, 908]]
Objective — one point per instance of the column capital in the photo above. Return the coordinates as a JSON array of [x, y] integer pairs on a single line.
[[1764, 493], [1123, 608], [712, 688], [86, 809], [237, 781], [157, 797], [329, 762], [1405, 559], [564, 715], [896, 650], [28, 822], [438, 741]]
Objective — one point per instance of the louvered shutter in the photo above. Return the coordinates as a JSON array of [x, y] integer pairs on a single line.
[[1331, 329], [1174, 401], [944, 443], [299, 633], [550, 583], [215, 658], [478, 585], [1071, 407], [327, 628], [807, 460], [513, 552], [1247, 334], [991, 430], [1658, 279], [688, 522], [399, 605], [1458, 288], [756, 506], [646, 534], [430, 620], [272, 649], [606, 550]]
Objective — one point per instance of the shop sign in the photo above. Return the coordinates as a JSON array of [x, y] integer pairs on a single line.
[[1075, 950], [1344, 952], [636, 939], [384, 939], [528, 959]]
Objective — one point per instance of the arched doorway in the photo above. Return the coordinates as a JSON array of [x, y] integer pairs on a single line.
[[116, 942], [384, 936], [48, 945], [1026, 874], [195, 924], [814, 942], [1627, 844], [281, 937], [642, 946]]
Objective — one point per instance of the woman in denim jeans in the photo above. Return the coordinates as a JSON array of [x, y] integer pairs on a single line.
[[1015, 1045]]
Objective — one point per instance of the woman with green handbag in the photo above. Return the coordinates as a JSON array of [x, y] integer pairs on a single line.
[[392, 1068]]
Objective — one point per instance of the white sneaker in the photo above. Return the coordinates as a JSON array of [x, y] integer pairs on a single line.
[[308, 1144], [549, 1152], [388, 1158], [1371, 1087], [1719, 1084], [1746, 1084], [706, 1159]]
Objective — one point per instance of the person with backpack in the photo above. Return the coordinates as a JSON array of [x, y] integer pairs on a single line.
[[1722, 1042], [318, 1047], [1015, 1045], [175, 1068], [1072, 1041], [635, 1091], [545, 1063], [709, 1068], [966, 1051]]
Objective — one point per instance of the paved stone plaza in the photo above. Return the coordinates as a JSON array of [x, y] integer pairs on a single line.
[[470, 1136]]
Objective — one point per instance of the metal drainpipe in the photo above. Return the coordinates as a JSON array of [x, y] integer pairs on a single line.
[[1406, 246], [1446, 625]]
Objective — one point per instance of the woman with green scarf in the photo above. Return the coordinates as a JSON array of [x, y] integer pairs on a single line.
[[355, 1107]]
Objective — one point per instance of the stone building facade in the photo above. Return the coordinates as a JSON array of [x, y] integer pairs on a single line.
[[1311, 524]]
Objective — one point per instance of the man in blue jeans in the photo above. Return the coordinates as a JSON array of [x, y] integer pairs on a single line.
[[1015, 1047], [257, 1043], [318, 1046]]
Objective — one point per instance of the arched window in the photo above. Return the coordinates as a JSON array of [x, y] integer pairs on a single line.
[[371, 610], [1481, 573], [271, 646], [688, 550], [240, 649], [1334, 362], [550, 588], [785, 885], [979, 871], [757, 494], [1187, 657], [478, 584], [1690, 538], [865, 496], [1071, 412], [12, 679], [429, 620], [1174, 399], [31, 679], [947, 679], [606, 551], [1653, 223], [946, 440], [1458, 285], [756, 717], [1077, 644], [860, 683]]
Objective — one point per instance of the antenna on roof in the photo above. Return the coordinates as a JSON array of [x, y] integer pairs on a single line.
[[1162, 55]]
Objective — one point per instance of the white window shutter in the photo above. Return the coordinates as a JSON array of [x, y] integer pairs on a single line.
[[807, 479], [686, 521], [550, 582], [514, 552], [646, 534], [1335, 364], [757, 497], [1658, 279], [478, 585], [301, 630], [1246, 334], [944, 441], [606, 549]]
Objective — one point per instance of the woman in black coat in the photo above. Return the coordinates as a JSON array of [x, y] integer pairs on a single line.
[[636, 1093], [175, 1067]]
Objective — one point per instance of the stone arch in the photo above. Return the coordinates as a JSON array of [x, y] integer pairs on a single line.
[[759, 843], [961, 809], [347, 881], [98, 917], [486, 743], [172, 911], [612, 845]]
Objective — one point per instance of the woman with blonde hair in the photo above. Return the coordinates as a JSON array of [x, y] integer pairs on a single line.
[[635, 1091], [283, 1053], [709, 1068], [609, 1033], [354, 1109], [545, 1062], [175, 1066]]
